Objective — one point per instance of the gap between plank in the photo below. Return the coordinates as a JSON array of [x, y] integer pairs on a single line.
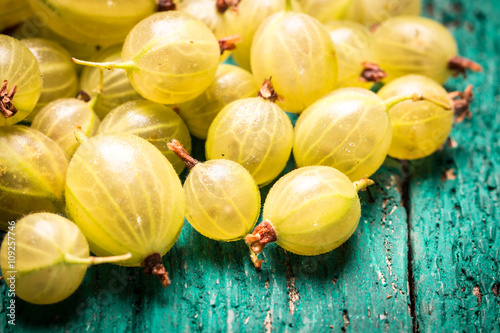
[[411, 279], [139, 293]]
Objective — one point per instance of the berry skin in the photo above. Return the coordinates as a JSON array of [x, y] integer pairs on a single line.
[[417, 45], [298, 53], [51, 258], [309, 211], [348, 129], [418, 128], [20, 81], [170, 57], [32, 173], [222, 199], [135, 203]]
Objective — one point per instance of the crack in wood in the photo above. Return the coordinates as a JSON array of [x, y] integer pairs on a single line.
[[451, 143], [405, 198], [476, 291], [448, 175], [381, 278], [293, 295], [494, 289], [388, 261], [346, 319], [268, 325]]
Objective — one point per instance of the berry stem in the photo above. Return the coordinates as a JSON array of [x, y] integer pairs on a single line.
[[128, 65], [223, 5], [267, 91], [255, 258], [374, 27], [7, 108], [362, 184], [461, 105], [229, 43], [154, 265], [166, 5], [93, 101], [391, 102], [71, 259], [288, 6], [83, 96], [372, 73], [80, 136], [183, 154], [460, 65], [263, 234]]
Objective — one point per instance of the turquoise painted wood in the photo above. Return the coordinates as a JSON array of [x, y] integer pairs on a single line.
[[425, 256], [455, 223], [362, 285]]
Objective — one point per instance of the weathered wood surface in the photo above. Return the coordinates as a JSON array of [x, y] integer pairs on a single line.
[[367, 284], [455, 223], [360, 286]]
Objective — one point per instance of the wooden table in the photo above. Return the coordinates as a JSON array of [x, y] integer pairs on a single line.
[[425, 256]]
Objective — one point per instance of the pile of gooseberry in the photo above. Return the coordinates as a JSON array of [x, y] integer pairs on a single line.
[[90, 159]]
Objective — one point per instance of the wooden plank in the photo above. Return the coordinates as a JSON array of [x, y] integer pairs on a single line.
[[214, 284], [105, 301], [455, 222], [360, 286]]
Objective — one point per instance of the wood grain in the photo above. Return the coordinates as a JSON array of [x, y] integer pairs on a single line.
[[216, 288], [360, 286], [455, 222], [363, 286]]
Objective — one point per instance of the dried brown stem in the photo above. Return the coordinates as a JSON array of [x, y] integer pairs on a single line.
[[223, 5], [461, 103], [154, 265], [166, 5], [374, 27], [229, 43], [460, 65], [7, 107], [263, 234], [372, 73], [267, 91], [83, 96], [182, 153]]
